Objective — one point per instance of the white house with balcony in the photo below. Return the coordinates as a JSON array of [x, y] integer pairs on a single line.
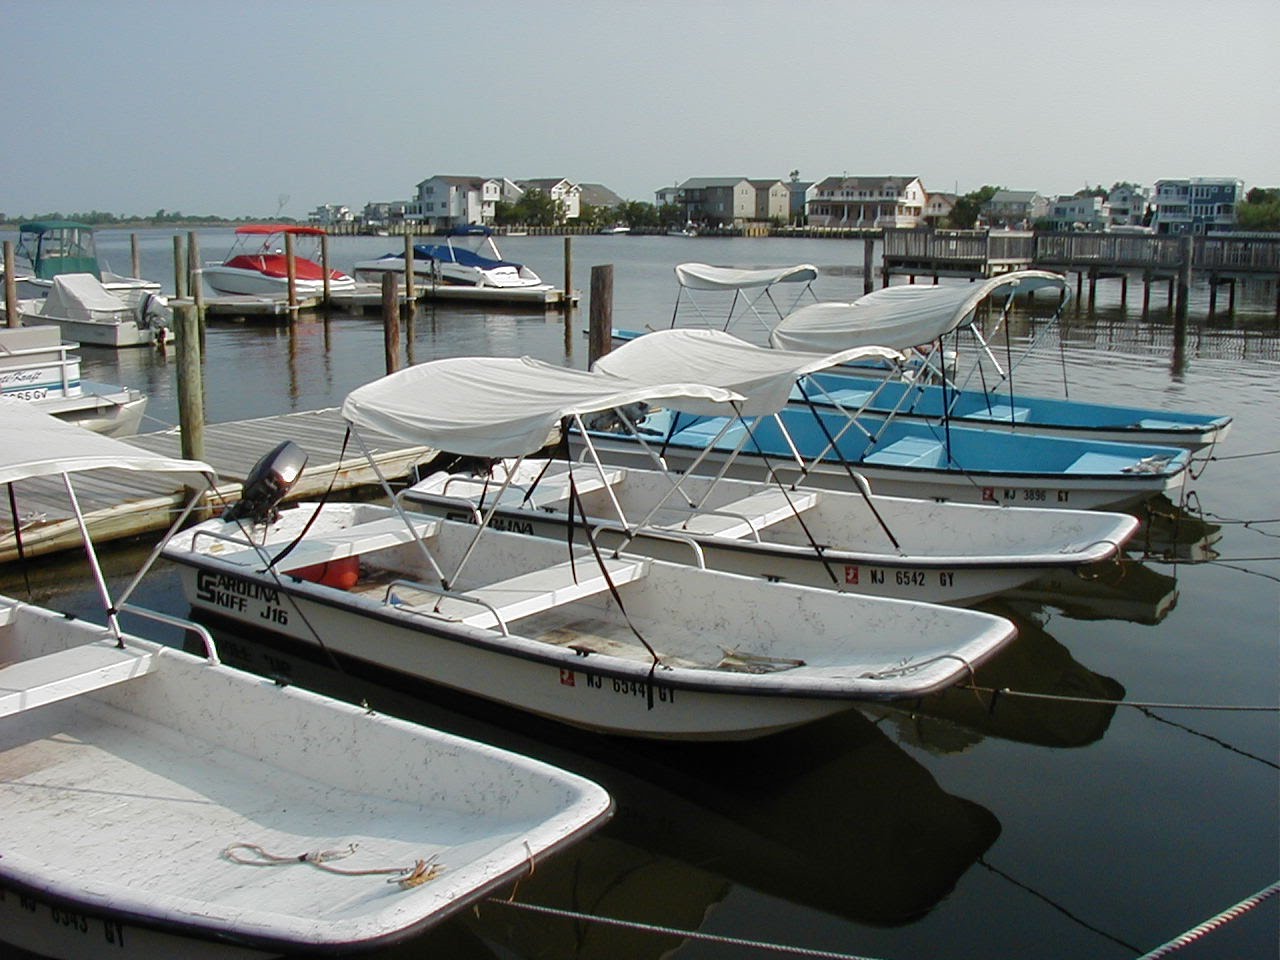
[[868, 202], [327, 214], [566, 194], [1128, 204], [1086, 212], [1196, 205], [443, 201]]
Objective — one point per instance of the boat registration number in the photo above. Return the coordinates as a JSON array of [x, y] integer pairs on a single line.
[[35, 393], [855, 575], [1024, 495], [629, 688], [61, 917]]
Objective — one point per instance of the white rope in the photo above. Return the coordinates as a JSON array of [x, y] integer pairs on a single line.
[[1213, 923], [419, 873]]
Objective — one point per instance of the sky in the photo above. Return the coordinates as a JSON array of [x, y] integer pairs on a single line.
[[274, 107]]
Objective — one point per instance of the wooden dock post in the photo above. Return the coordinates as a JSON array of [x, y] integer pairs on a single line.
[[195, 272], [135, 257], [390, 322], [1184, 273], [1213, 294], [410, 294], [568, 277], [179, 268], [1124, 290], [10, 288], [190, 385], [600, 330], [324, 266], [291, 271], [868, 272], [1146, 293]]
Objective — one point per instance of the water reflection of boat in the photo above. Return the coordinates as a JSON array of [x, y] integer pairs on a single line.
[[1127, 590], [1034, 663], [833, 817], [1175, 531]]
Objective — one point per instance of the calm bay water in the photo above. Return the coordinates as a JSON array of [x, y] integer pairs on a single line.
[[961, 830]]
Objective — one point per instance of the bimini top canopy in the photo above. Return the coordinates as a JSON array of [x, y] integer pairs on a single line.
[[266, 229], [44, 226], [34, 444], [499, 406], [899, 317], [765, 377], [703, 276]]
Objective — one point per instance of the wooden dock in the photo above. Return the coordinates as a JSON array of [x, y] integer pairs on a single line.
[[122, 504], [368, 296]]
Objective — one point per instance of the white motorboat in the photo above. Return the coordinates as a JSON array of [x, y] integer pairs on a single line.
[[617, 643], [54, 247], [87, 312], [258, 266], [898, 456], [37, 368], [157, 804], [837, 539], [468, 257]]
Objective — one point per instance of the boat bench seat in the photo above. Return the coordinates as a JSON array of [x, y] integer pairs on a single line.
[[850, 398], [540, 590], [702, 433], [999, 413], [748, 516], [353, 541], [549, 492], [56, 676], [909, 452], [1101, 463]]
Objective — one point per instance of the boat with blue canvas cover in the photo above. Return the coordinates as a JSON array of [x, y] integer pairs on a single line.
[[906, 316], [899, 457], [468, 257]]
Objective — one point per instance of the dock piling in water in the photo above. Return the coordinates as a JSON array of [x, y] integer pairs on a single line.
[[291, 270], [190, 384], [10, 288], [600, 331], [391, 322], [179, 268]]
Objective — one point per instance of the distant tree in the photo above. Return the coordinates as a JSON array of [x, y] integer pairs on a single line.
[[1123, 184], [538, 209], [595, 217], [671, 215], [1260, 210], [965, 213], [1088, 191], [637, 214]]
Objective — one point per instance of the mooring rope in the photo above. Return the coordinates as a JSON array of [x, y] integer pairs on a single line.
[[1138, 705], [1213, 923], [407, 877]]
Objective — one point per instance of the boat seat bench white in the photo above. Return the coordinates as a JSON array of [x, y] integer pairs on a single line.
[[56, 676], [353, 541], [555, 490], [537, 591], [742, 518]]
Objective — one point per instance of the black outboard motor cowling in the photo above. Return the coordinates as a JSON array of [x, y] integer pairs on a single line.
[[268, 483]]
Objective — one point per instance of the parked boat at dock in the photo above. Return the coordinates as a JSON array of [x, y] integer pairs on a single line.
[[898, 457], [159, 804], [616, 643], [468, 257], [37, 368], [257, 265], [87, 312], [52, 248]]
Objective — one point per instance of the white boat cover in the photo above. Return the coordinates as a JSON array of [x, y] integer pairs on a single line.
[[703, 276], [35, 444], [80, 296], [765, 377], [899, 317], [500, 406]]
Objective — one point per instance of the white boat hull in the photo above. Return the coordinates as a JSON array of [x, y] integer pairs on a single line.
[[430, 272], [945, 553], [230, 280], [118, 334], [148, 778], [572, 655]]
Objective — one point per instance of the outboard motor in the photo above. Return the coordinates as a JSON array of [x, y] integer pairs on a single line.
[[267, 484], [155, 315]]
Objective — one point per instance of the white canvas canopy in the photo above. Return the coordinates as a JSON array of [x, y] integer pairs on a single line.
[[35, 444], [899, 317], [500, 406], [80, 296], [765, 377], [703, 276]]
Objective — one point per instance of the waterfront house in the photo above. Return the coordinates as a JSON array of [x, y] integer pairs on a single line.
[[668, 195], [938, 207], [1014, 208], [718, 200], [445, 201], [380, 213], [566, 194], [598, 195], [327, 214], [1081, 212], [802, 191], [1128, 204], [773, 200], [868, 202], [1196, 205]]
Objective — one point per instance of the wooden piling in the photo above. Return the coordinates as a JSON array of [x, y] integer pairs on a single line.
[[1146, 293], [868, 272], [1213, 294], [135, 256], [179, 268], [390, 322], [190, 386], [1184, 273], [291, 271], [410, 294], [1124, 290], [10, 288], [324, 266], [568, 278], [600, 330]]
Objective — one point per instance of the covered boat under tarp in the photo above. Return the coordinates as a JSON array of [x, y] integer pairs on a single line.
[[86, 311], [613, 642]]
